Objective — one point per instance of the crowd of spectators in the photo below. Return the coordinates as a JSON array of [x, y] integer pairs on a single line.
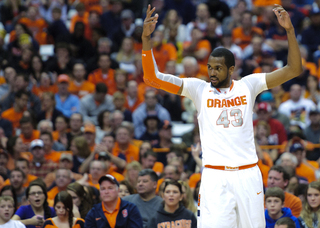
[[72, 116]]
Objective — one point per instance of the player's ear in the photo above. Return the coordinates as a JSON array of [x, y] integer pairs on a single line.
[[231, 69]]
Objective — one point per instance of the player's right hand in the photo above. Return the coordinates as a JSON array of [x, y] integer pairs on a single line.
[[150, 22]]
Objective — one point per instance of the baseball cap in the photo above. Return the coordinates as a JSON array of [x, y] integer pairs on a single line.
[[63, 78], [126, 14], [266, 96], [36, 143], [110, 178], [89, 128], [264, 106], [296, 146], [66, 156]]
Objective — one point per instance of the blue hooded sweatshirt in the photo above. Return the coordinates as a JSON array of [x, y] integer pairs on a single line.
[[270, 223]]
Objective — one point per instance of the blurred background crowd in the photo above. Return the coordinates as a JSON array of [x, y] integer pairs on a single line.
[[71, 76]]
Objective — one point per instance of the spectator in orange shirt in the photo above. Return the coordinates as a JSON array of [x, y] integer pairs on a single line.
[[37, 25], [15, 113], [79, 86], [104, 73], [81, 16], [63, 179], [162, 52], [242, 35], [50, 155], [303, 170], [45, 85], [23, 165], [198, 48], [28, 134], [123, 147], [132, 98]]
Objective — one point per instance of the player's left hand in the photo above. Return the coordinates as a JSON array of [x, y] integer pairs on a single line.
[[283, 17]]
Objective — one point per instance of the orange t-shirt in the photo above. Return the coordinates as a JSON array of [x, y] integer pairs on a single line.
[[29, 178], [2, 80], [313, 164], [260, 3], [158, 167], [10, 163], [37, 27], [194, 179], [306, 171], [51, 194], [243, 40], [294, 203], [264, 171], [38, 91], [76, 18], [112, 217], [54, 156], [13, 116], [35, 135], [96, 76], [131, 153], [81, 90], [162, 55]]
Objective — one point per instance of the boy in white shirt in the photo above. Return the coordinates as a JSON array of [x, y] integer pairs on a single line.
[[6, 212]]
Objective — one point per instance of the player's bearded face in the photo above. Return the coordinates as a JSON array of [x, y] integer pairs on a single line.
[[218, 83]]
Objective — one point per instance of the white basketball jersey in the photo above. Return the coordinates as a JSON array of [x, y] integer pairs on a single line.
[[225, 119]]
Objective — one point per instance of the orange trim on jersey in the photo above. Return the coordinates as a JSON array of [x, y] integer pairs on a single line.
[[150, 77], [229, 168]]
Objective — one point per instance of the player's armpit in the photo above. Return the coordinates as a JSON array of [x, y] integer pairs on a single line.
[[156, 79]]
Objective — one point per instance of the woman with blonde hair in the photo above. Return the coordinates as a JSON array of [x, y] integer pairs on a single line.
[[310, 214], [80, 150], [133, 169], [126, 55]]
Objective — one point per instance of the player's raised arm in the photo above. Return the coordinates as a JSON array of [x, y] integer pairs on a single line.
[[151, 75], [294, 65]]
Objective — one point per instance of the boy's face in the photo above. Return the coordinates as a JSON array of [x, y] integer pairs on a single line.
[[6, 210], [274, 205]]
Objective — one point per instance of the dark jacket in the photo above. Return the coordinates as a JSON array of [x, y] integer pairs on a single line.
[[181, 216], [270, 223], [128, 216]]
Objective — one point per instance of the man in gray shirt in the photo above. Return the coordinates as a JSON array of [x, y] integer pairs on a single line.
[[146, 200]]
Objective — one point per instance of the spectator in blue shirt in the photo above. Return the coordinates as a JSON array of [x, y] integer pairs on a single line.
[[65, 102]]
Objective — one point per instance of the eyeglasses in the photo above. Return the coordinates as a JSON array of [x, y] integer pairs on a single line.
[[35, 193]]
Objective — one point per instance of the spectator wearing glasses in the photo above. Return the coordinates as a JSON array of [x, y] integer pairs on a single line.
[[34, 214]]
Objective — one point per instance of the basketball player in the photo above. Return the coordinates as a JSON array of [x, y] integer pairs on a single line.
[[231, 192]]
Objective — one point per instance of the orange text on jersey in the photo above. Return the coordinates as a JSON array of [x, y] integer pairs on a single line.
[[226, 103], [182, 223]]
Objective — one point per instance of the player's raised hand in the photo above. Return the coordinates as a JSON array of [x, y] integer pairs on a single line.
[[283, 17], [150, 22]]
